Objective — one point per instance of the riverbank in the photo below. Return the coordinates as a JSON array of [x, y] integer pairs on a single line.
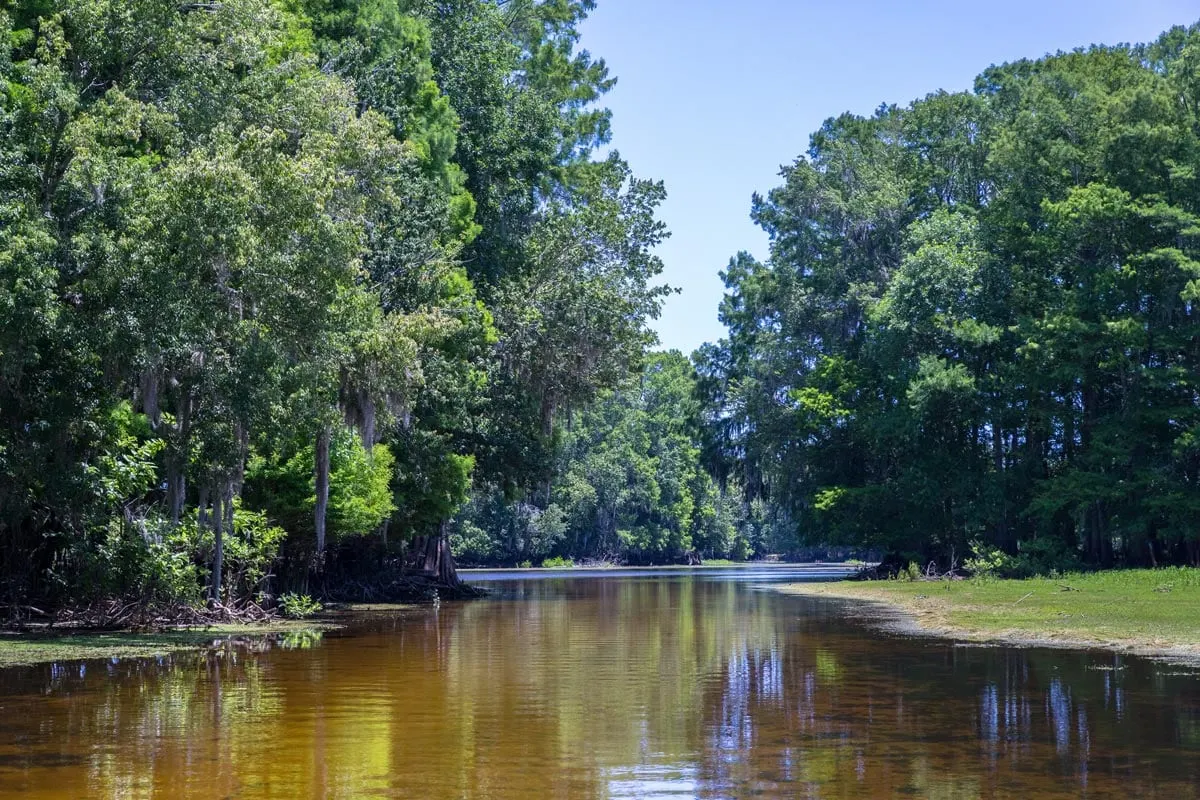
[[1146, 612], [715, 564], [23, 648], [39, 646]]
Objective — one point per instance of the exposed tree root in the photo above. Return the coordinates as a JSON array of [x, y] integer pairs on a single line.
[[125, 614]]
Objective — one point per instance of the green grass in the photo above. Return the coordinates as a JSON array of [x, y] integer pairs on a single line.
[[20, 649], [1137, 610]]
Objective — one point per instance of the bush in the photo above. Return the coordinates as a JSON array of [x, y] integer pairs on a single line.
[[250, 549], [1044, 556], [471, 543], [988, 562], [558, 562], [298, 606], [133, 561], [1035, 557]]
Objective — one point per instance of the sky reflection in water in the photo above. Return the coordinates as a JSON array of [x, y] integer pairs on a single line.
[[612, 686]]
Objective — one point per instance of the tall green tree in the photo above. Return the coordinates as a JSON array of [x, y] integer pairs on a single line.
[[238, 251], [975, 327]]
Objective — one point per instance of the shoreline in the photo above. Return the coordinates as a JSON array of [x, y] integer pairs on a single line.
[[25, 648], [970, 613], [30, 647], [681, 567]]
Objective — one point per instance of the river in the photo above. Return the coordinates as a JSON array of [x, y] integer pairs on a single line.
[[623, 684]]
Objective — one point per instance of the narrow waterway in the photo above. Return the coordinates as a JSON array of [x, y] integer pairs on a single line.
[[626, 684]]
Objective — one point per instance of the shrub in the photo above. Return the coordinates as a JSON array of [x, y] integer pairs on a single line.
[[250, 549], [1039, 556], [1044, 556], [987, 562], [298, 606], [558, 562]]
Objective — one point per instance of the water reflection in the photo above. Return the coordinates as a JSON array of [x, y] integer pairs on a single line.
[[617, 687]]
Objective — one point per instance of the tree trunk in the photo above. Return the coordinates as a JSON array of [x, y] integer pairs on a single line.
[[150, 397], [431, 556], [218, 525], [202, 511], [228, 500], [368, 421], [177, 462], [1099, 540], [176, 489], [322, 480]]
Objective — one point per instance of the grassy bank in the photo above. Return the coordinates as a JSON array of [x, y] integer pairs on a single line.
[[1152, 612], [22, 649]]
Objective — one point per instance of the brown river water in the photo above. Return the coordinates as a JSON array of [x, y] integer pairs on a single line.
[[629, 685]]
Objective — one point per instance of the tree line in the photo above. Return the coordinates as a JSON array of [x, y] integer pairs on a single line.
[[282, 282], [630, 484], [975, 339], [318, 292]]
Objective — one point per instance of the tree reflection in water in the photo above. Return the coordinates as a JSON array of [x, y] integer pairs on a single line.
[[614, 687]]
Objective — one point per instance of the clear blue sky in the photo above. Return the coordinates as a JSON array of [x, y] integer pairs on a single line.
[[713, 96]]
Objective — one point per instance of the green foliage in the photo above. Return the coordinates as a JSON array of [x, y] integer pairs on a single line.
[[432, 483], [360, 495], [631, 469], [987, 562], [117, 560], [558, 562], [128, 466], [238, 276], [629, 486], [360, 486], [1044, 556], [492, 529], [298, 606], [740, 550], [976, 325], [251, 549]]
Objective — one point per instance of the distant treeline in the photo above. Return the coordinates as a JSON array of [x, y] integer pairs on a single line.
[[977, 333], [630, 485]]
